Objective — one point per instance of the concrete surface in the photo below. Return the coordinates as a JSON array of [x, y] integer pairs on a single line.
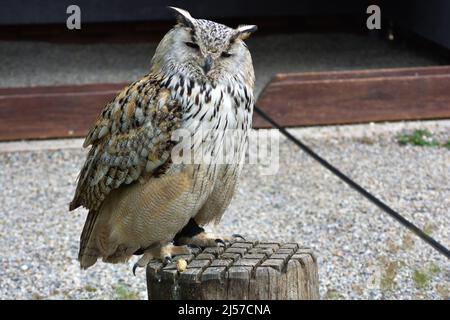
[[39, 63]]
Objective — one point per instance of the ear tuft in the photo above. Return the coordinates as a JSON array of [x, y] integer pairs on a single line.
[[183, 17], [244, 31]]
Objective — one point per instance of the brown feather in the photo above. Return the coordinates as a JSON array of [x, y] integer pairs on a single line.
[[88, 255]]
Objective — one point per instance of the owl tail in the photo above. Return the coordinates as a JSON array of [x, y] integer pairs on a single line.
[[89, 252]]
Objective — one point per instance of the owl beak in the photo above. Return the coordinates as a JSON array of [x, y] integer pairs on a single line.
[[208, 64]]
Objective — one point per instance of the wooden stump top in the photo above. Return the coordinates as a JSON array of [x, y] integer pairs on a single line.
[[242, 270]]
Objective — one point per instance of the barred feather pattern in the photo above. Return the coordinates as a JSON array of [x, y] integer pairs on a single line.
[[218, 109], [132, 137]]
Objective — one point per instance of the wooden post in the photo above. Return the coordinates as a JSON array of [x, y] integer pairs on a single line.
[[242, 270]]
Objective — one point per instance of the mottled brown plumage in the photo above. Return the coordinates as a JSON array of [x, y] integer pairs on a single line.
[[139, 194], [130, 139]]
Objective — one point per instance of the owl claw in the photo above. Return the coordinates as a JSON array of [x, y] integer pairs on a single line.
[[206, 239], [162, 253], [238, 236], [167, 260], [134, 268]]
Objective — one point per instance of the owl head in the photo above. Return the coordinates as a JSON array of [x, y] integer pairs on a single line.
[[204, 50]]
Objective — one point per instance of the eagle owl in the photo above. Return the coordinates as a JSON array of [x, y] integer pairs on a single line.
[[141, 199]]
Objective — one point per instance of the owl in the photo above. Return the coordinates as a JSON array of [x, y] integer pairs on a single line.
[[155, 173]]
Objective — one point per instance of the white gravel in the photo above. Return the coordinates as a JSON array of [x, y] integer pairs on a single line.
[[362, 252]]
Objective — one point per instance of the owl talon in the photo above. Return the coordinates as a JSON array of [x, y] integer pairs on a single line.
[[134, 268], [238, 236], [167, 260], [205, 239], [164, 253]]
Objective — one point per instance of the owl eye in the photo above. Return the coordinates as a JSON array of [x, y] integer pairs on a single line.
[[226, 54], [192, 45]]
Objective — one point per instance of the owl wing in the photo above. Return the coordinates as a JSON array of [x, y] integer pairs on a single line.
[[130, 139]]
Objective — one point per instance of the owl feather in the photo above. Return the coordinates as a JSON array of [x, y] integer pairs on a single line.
[[138, 196], [130, 140]]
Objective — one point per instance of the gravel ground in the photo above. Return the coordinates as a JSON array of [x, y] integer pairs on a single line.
[[362, 252]]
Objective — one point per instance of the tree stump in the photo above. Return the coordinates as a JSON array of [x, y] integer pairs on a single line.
[[243, 270]]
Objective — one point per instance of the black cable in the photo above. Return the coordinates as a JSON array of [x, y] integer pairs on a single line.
[[432, 242]]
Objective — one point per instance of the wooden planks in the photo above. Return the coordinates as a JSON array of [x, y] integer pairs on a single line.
[[357, 96], [52, 112], [296, 99], [243, 270]]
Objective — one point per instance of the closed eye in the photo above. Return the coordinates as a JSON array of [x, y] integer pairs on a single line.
[[226, 54], [192, 45]]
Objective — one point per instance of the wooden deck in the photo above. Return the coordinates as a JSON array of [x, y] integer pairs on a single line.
[[357, 96], [299, 99]]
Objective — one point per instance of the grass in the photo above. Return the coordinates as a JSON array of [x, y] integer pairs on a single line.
[[434, 269], [122, 292], [333, 294], [36, 296], [420, 279], [89, 288], [447, 145], [419, 137], [429, 228]]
